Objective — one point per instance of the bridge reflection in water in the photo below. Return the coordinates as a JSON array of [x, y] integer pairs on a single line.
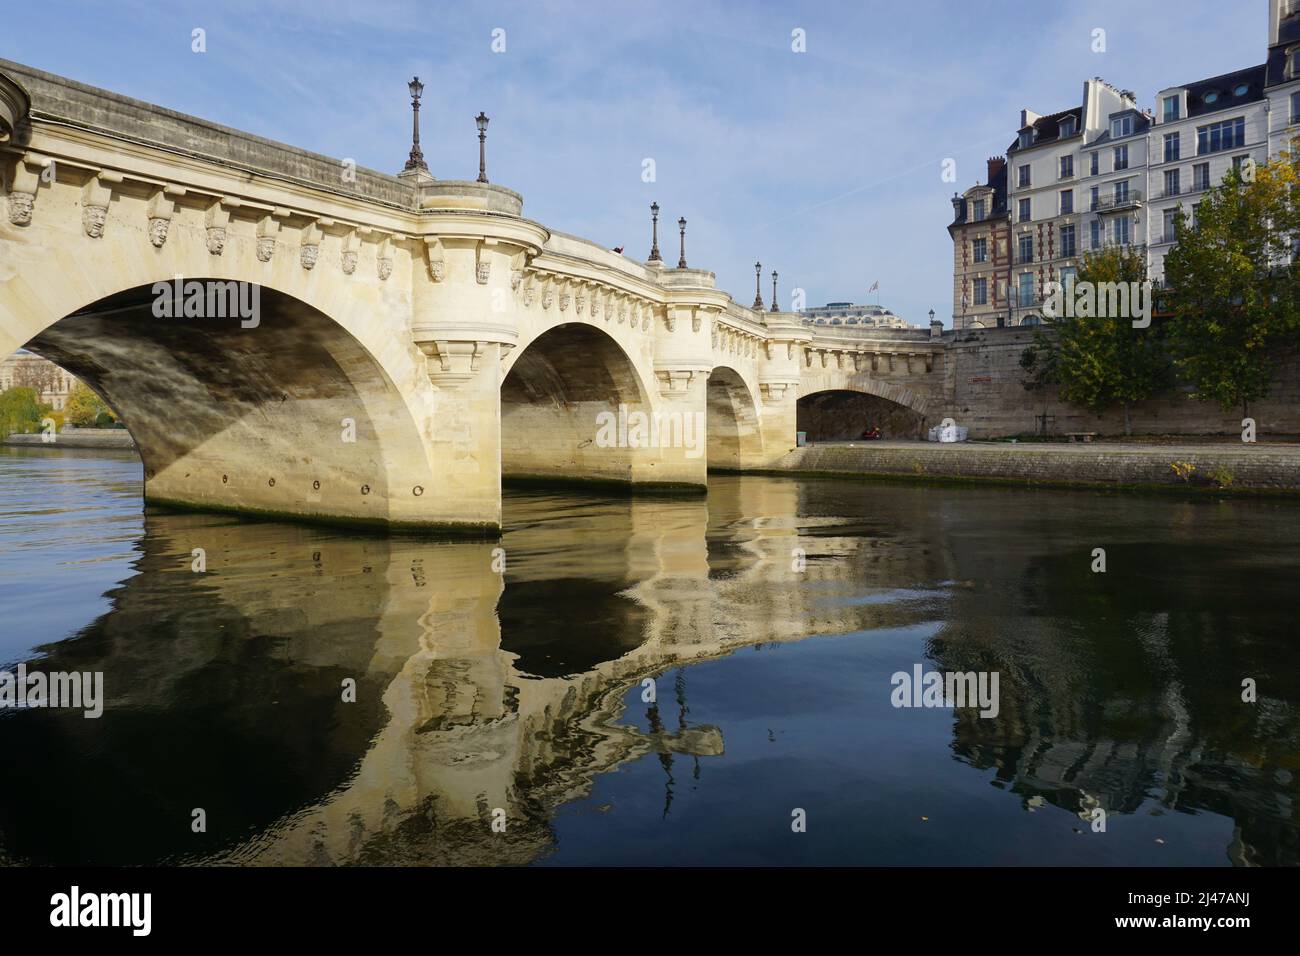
[[522, 691]]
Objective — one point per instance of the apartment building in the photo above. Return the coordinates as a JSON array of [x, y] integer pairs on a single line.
[[1109, 172], [26, 370], [981, 242]]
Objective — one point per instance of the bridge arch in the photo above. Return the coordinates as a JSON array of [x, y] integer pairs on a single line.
[[268, 397], [734, 434], [845, 412], [574, 406]]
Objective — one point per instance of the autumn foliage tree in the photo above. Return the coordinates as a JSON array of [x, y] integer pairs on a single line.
[[1233, 283]]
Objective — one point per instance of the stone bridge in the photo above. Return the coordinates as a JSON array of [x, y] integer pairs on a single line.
[[288, 334]]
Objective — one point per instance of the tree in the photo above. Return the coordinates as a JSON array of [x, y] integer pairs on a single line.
[[36, 373], [85, 409], [20, 411], [1233, 286], [1101, 360]]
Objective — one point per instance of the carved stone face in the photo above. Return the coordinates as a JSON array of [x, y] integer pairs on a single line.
[[20, 208], [309, 255], [385, 269], [265, 248], [547, 298], [437, 270], [93, 219], [529, 292], [158, 230], [349, 263], [516, 277], [482, 271], [216, 239]]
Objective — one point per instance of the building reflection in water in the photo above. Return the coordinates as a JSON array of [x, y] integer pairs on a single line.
[[480, 691]]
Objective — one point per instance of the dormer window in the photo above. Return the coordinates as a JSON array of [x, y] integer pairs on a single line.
[[1121, 126], [1026, 139], [1294, 58], [1241, 89], [1171, 108], [1210, 98], [1067, 126]]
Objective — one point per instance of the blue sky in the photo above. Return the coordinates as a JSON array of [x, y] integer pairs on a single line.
[[824, 165]]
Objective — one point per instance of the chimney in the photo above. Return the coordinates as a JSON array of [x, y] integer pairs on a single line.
[[1027, 118], [996, 165], [956, 207]]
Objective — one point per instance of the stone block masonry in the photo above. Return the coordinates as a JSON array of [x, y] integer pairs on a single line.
[[1215, 468]]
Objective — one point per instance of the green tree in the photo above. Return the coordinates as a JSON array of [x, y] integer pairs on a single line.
[[20, 411], [1232, 284], [85, 409], [1101, 361]]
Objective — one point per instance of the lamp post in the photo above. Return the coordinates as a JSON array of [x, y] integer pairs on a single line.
[[775, 306], [932, 316], [681, 260], [654, 233], [416, 159], [758, 295], [481, 121]]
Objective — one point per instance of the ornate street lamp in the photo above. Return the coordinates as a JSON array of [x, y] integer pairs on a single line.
[[482, 122], [932, 316], [654, 227], [758, 296], [775, 306], [681, 260], [416, 159]]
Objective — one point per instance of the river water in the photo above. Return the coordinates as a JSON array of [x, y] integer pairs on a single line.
[[653, 680]]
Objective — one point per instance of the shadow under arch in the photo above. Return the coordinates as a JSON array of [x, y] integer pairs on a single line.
[[846, 414], [562, 388], [734, 437], [264, 405]]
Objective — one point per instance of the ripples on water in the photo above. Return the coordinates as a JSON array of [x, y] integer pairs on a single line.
[[524, 691]]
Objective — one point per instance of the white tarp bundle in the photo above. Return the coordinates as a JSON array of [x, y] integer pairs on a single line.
[[948, 431]]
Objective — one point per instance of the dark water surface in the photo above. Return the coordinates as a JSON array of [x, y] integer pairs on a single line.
[[519, 696]]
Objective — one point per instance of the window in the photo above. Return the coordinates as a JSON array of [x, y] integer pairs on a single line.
[[1122, 230], [1067, 201], [1196, 213], [1121, 126], [1094, 198], [980, 250], [1095, 234], [1171, 108], [1067, 127], [1121, 157], [1239, 161], [1023, 175], [981, 291], [1211, 98], [1295, 63], [1026, 249], [1169, 226], [1068, 275], [1067, 167], [1121, 192], [1171, 147], [1068, 248], [1171, 182], [1240, 89], [1295, 107], [1230, 134], [1094, 165], [1025, 294], [977, 210], [1026, 139], [1201, 176], [1024, 210]]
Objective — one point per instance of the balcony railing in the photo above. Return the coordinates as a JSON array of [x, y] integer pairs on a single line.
[[1128, 200]]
